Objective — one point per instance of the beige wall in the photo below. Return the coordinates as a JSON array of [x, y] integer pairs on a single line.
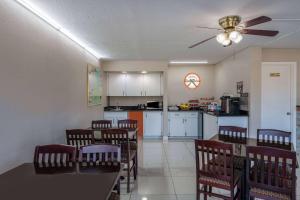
[[134, 65], [42, 83], [244, 66], [179, 93], [230, 71], [284, 55]]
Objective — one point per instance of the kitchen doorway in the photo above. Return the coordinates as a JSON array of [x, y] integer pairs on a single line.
[[278, 96]]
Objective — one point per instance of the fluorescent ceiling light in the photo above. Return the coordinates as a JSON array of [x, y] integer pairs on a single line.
[[189, 62], [35, 10]]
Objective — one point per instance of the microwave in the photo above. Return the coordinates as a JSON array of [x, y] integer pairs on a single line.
[[154, 104]]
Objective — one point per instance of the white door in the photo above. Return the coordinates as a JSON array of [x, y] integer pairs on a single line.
[[134, 84], [176, 124], [191, 124], [277, 85], [152, 84], [152, 124], [116, 84]]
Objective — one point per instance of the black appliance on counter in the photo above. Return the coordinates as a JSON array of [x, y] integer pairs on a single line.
[[230, 105], [154, 104]]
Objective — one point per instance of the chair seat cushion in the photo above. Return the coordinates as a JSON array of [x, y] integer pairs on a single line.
[[268, 194], [211, 180]]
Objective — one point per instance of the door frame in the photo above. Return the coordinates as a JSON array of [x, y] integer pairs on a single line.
[[293, 96]]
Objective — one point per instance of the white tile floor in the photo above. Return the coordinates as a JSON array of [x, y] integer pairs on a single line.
[[166, 172]]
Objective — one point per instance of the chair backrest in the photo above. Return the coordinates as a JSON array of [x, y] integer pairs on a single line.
[[115, 136], [274, 138], [127, 124], [101, 124], [80, 137], [272, 169], [105, 156], [54, 156], [214, 159], [234, 133]]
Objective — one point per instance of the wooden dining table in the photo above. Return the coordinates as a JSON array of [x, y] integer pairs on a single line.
[[23, 182]]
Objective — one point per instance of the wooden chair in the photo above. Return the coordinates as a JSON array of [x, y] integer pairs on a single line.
[[274, 138], [101, 124], [272, 173], [104, 157], [80, 137], [233, 134], [127, 124], [215, 169], [128, 155], [54, 158]]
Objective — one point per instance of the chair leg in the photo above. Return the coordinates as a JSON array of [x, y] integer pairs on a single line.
[[119, 186], [128, 177], [205, 190], [135, 169], [209, 190]]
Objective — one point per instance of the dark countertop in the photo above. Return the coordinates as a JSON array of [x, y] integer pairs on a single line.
[[218, 114], [129, 109], [185, 110]]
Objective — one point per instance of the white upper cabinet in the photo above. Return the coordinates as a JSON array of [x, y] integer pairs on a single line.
[[135, 84], [116, 84], [152, 84]]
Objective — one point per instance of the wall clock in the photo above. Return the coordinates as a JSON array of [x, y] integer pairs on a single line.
[[192, 80]]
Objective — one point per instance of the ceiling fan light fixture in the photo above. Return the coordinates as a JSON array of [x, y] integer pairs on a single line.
[[226, 42], [235, 36], [222, 37]]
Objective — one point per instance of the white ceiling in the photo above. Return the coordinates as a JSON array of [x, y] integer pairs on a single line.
[[163, 29]]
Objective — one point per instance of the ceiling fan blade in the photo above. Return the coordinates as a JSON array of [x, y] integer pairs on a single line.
[[212, 28], [194, 45], [259, 32], [256, 21]]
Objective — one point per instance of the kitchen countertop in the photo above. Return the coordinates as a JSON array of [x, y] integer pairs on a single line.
[[130, 109], [217, 114]]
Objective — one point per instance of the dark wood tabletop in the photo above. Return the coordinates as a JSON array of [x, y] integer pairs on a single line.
[[23, 182]]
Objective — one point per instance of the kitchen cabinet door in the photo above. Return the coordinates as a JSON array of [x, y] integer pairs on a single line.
[[152, 84], [134, 84], [116, 84], [176, 124], [191, 124], [152, 124]]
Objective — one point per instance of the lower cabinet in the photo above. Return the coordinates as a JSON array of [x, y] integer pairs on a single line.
[[115, 116], [183, 124], [152, 123]]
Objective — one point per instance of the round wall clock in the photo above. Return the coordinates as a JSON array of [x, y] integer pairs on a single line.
[[192, 80]]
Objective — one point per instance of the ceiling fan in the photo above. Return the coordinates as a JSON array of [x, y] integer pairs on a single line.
[[232, 30]]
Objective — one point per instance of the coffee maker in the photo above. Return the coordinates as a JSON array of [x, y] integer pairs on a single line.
[[230, 105], [225, 104]]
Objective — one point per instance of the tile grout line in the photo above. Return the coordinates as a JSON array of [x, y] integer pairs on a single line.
[[170, 171]]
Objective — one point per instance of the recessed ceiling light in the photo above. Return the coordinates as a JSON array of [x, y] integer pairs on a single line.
[[124, 72], [188, 62], [38, 12], [144, 72], [144, 198]]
